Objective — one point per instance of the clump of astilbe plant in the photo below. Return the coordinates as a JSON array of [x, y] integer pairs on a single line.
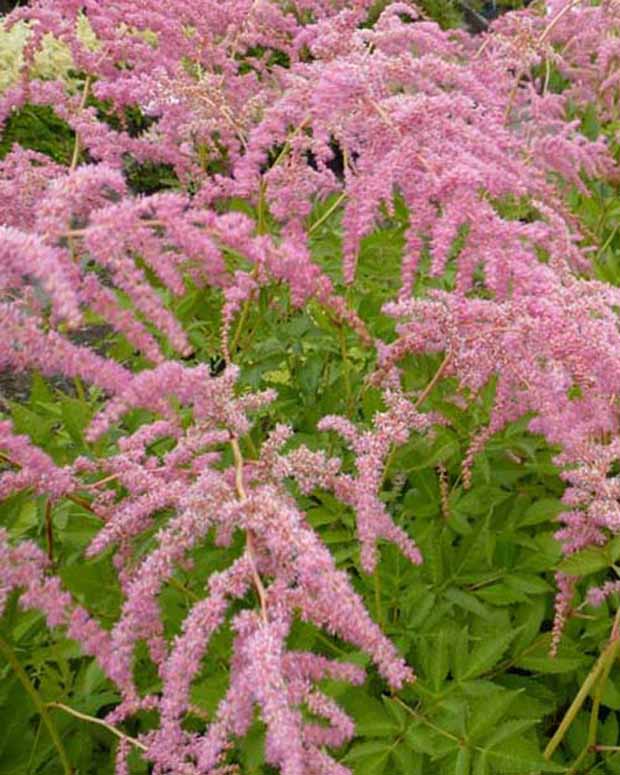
[[242, 97]]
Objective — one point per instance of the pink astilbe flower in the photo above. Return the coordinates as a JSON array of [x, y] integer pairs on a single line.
[[593, 495], [304, 583], [23, 568], [34, 468], [25, 346], [361, 492], [447, 128], [25, 254], [24, 178], [598, 595], [534, 344]]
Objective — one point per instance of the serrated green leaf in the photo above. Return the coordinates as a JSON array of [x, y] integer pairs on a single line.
[[372, 720], [485, 655], [509, 729], [368, 757], [467, 601], [487, 712], [407, 762], [584, 562], [423, 739], [509, 760], [501, 594], [527, 583], [538, 660], [542, 510]]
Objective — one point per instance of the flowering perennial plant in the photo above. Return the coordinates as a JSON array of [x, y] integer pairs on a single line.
[[263, 114]]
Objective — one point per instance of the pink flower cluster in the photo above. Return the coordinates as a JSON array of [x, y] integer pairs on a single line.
[[190, 482], [253, 100]]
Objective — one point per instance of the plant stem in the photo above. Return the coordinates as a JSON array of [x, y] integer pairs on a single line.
[[556, 19], [249, 545], [79, 388], [606, 659], [334, 206], [84, 504], [590, 745], [436, 377], [99, 721], [185, 590], [76, 146], [49, 530], [242, 320], [230, 350], [378, 597], [607, 242], [424, 720], [345, 368], [22, 675]]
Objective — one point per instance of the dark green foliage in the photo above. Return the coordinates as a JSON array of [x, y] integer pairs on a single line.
[[38, 128]]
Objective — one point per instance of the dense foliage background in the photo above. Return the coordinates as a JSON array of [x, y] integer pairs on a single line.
[[474, 620]]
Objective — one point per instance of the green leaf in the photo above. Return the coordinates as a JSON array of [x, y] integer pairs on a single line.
[[609, 730], [76, 415], [408, 762], [463, 762], [468, 602], [611, 693], [510, 760], [501, 594], [27, 519], [538, 660], [509, 729], [423, 739], [253, 748], [435, 654], [543, 510], [485, 655], [372, 720], [369, 757], [527, 583], [584, 562], [487, 711], [396, 711]]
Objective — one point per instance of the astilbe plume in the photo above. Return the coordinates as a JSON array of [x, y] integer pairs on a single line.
[[280, 546], [253, 100]]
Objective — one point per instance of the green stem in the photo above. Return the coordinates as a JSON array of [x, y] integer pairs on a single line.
[[261, 225], [242, 320], [590, 745], [334, 206], [49, 530], [79, 388], [76, 146], [254, 454], [607, 242], [606, 658], [99, 721], [345, 368], [182, 588], [419, 717], [11, 658], [379, 613]]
